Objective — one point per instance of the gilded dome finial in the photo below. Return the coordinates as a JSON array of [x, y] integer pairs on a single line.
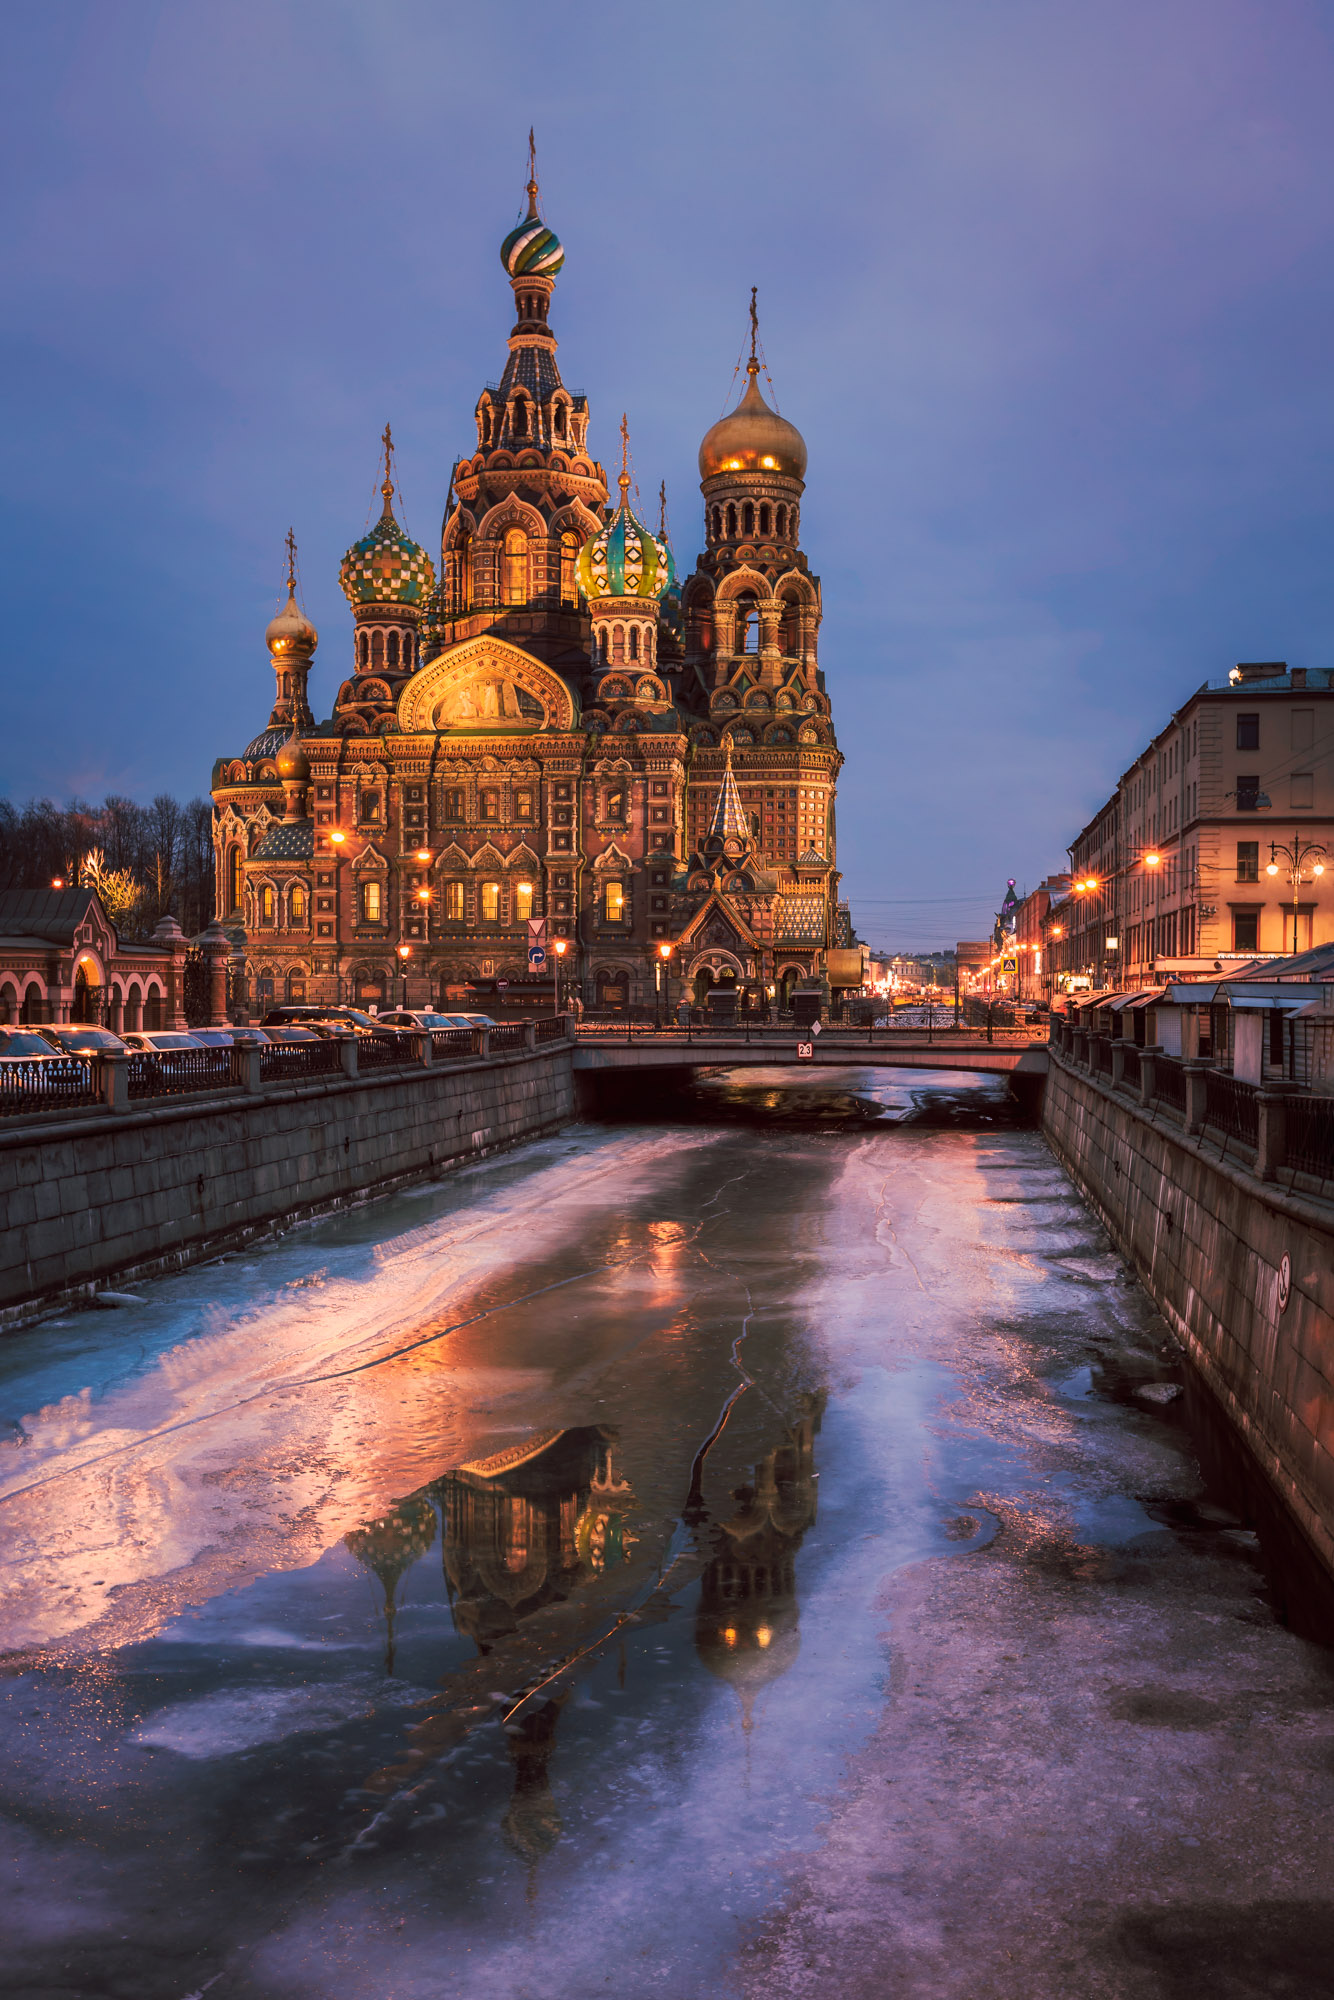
[[624, 480], [753, 367], [387, 488], [532, 178], [291, 562]]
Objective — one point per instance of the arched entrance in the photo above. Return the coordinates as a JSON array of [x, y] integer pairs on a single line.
[[715, 971], [89, 997], [34, 1004], [787, 986]]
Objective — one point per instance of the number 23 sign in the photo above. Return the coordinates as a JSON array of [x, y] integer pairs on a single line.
[[805, 1051]]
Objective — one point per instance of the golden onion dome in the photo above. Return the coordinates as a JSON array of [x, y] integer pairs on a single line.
[[753, 438], [292, 763], [291, 631]]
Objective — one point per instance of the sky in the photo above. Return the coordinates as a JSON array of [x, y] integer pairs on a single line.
[[1046, 285]]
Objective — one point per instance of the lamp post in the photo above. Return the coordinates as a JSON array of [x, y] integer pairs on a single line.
[[1297, 856], [336, 839], [404, 954], [561, 948], [659, 974]]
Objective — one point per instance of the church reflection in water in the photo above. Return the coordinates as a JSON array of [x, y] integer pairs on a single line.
[[545, 1527]]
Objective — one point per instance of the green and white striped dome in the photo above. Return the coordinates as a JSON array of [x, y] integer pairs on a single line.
[[624, 559]]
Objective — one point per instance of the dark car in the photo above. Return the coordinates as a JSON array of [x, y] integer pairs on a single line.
[[322, 1019]]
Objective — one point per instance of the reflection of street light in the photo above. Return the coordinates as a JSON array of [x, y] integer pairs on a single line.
[[561, 948]]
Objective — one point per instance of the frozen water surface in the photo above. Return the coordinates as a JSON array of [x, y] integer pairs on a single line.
[[483, 1593]]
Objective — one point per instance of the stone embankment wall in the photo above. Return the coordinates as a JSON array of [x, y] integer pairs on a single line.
[[89, 1197], [1241, 1269]]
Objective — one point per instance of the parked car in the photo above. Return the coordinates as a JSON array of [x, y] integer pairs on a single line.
[[284, 1035], [229, 1038], [154, 1041], [75, 1038], [304, 1015], [25, 1045], [426, 1018]]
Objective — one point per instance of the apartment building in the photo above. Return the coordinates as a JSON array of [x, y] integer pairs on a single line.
[[1213, 844]]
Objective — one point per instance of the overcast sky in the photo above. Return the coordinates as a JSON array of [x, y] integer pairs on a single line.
[[1046, 284]]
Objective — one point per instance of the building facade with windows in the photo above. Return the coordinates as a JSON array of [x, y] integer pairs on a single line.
[[1193, 858], [550, 727]]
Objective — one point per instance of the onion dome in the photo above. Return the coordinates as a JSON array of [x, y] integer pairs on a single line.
[[386, 566], [291, 632], [624, 558], [269, 741], [753, 438], [293, 763], [532, 250]]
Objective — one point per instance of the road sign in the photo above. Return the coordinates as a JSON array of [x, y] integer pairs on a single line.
[[806, 1050], [537, 931], [536, 955], [815, 1027]]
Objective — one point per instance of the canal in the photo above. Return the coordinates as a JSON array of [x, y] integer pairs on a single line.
[[758, 1550]]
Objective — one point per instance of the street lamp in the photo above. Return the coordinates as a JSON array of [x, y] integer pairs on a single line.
[[561, 948], [659, 973], [1299, 856], [404, 954], [336, 839]]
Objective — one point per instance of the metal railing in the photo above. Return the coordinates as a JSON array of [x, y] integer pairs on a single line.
[[553, 1028], [382, 1052], [454, 1042], [288, 1062], [1230, 1107], [1309, 1135], [509, 1035], [1130, 1066], [1169, 1083], [783, 1033], [39, 1084], [178, 1072]]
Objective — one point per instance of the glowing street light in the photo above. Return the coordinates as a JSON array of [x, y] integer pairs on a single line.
[[561, 946]]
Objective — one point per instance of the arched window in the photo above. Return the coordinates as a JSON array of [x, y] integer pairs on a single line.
[[377, 649], [748, 519], [519, 421], [613, 902], [618, 645], [490, 902], [297, 903], [523, 902], [616, 805], [372, 903], [461, 573], [267, 908], [484, 425], [789, 632], [393, 649], [748, 621], [407, 649], [765, 528], [792, 521], [296, 985], [233, 878], [569, 556], [516, 567], [634, 642], [731, 522], [782, 521], [558, 421], [364, 649], [454, 902], [717, 524]]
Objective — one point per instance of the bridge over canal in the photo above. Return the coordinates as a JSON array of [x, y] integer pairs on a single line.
[[605, 1046]]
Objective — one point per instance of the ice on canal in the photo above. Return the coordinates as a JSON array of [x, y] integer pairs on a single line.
[[756, 1551]]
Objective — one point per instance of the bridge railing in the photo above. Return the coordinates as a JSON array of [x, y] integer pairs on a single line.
[[782, 1034], [114, 1081]]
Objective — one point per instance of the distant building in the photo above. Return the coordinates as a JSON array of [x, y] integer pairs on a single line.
[[1034, 922], [1172, 872], [61, 959]]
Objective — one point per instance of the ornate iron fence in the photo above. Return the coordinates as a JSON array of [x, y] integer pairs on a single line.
[[195, 994], [178, 1072], [284, 1062], [38, 1084], [382, 1051], [510, 1035], [455, 1042]]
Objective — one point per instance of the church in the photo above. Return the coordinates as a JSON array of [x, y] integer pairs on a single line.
[[548, 737]]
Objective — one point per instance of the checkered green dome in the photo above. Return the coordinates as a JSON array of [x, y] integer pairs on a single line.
[[623, 559], [386, 566]]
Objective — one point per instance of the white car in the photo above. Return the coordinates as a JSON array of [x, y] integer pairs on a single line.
[[426, 1018], [156, 1041]]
